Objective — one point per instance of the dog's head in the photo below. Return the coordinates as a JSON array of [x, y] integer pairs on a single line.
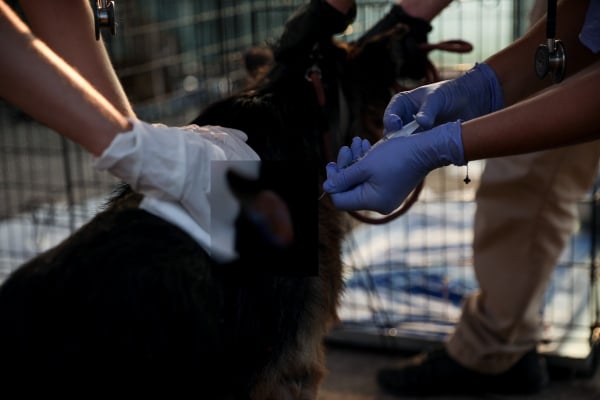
[[352, 84], [373, 67], [276, 230]]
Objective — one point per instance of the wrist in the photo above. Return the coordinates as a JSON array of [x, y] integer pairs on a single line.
[[104, 133], [446, 144], [126, 125], [456, 148]]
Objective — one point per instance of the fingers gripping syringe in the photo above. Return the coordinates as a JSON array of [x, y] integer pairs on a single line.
[[406, 130]]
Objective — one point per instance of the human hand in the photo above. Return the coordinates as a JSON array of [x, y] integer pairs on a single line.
[[379, 178], [348, 155], [164, 161], [181, 173], [471, 95]]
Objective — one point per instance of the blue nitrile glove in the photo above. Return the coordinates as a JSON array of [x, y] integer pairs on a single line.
[[381, 177], [347, 155], [471, 95]]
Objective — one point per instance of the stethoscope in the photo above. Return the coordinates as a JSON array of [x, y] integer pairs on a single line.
[[551, 58], [104, 16]]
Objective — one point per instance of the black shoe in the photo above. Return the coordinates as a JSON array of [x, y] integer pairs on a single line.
[[436, 373]]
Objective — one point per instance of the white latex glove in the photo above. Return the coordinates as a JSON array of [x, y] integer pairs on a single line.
[[181, 172]]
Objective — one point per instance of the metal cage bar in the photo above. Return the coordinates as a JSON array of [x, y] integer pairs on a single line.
[[173, 61]]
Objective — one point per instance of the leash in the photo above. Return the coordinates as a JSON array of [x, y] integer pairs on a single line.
[[314, 75]]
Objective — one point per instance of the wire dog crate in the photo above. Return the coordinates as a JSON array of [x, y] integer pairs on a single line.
[[172, 62], [405, 279]]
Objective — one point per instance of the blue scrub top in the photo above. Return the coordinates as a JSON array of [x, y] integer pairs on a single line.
[[590, 33]]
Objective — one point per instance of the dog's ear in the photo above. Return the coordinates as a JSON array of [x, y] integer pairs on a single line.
[[263, 208], [258, 61]]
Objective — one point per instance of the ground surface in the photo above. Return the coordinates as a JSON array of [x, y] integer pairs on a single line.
[[352, 371]]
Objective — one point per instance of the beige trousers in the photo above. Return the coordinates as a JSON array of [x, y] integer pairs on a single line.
[[526, 212]]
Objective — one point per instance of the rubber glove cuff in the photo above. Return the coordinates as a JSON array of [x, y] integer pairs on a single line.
[[447, 146], [473, 94], [482, 71]]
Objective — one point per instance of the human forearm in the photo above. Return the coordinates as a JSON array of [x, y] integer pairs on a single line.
[[514, 65], [342, 6], [424, 9], [75, 42], [565, 114], [41, 84]]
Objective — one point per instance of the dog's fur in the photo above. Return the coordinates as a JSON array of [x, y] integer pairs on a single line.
[[285, 119], [131, 302], [130, 299]]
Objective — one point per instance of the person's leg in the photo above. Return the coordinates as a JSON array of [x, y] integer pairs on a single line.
[[526, 212], [533, 232]]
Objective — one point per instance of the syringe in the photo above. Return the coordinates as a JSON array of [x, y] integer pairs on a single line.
[[406, 130]]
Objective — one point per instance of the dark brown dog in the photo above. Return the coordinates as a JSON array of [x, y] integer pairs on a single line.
[[317, 95], [132, 303]]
